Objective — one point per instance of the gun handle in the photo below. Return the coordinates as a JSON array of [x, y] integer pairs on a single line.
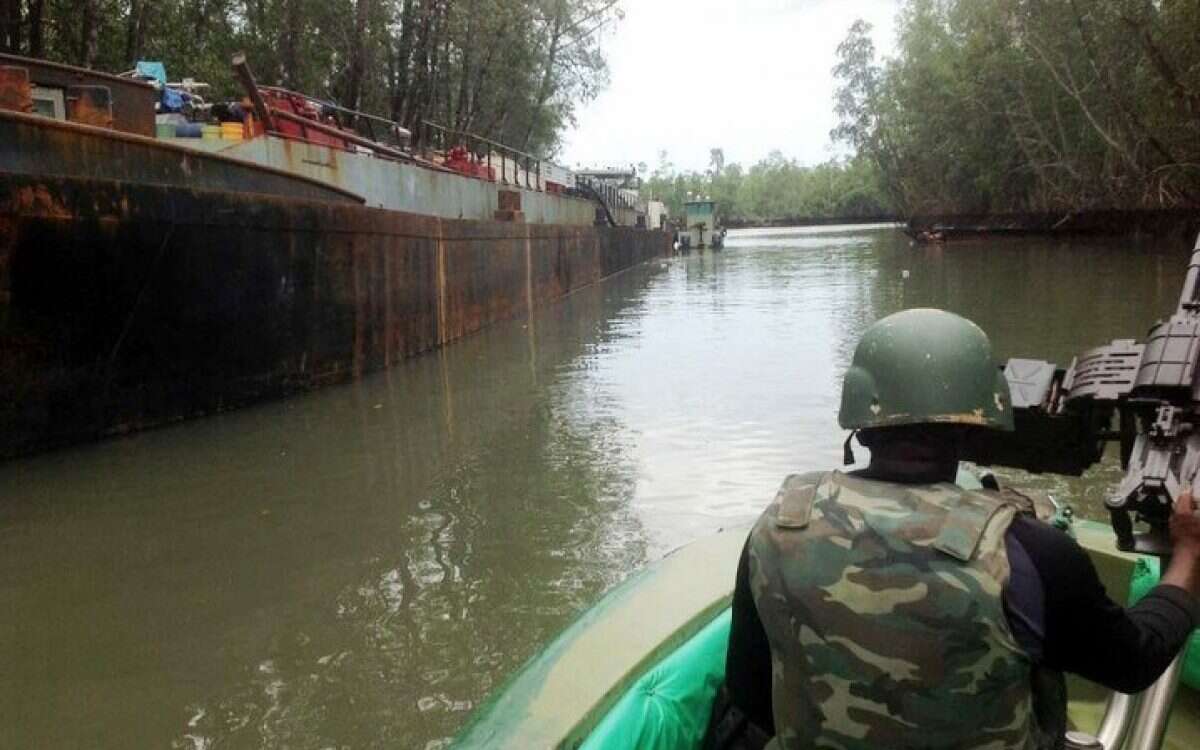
[[1154, 541]]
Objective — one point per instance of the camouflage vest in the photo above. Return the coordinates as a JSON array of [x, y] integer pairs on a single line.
[[882, 605]]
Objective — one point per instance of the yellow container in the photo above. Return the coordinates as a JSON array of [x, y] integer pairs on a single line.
[[232, 131], [211, 132]]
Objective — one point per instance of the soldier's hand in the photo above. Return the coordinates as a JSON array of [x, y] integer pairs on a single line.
[[1185, 527]]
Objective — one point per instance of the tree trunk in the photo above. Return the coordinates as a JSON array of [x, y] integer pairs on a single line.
[[437, 67], [289, 61], [481, 77], [358, 54], [135, 30], [545, 87], [404, 62], [10, 18], [36, 32], [443, 67], [462, 105], [421, 68], [89, 37], [1166, 72], [1066, 81]]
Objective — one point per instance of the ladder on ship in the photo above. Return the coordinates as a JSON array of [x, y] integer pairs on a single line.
[[587, 186]]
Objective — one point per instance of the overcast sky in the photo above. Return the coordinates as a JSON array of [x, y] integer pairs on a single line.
[[748, 76]]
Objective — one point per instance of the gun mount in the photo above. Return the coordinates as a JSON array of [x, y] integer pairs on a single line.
[[1143, 395]]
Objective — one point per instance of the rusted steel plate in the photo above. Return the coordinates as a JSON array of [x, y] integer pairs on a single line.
[[90, 105], [126, 305], [33, 145], [132, 100], [15, 91], [509, 200]]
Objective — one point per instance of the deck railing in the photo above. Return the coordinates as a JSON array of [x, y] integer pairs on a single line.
[[495, 156], [368, 126], [389, 139]]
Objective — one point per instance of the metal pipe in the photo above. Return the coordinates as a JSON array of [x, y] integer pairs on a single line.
[[401, 132], [1118, 714], [1151, 723], [521, 161], [331, 131], [242, 69], [500, 146]]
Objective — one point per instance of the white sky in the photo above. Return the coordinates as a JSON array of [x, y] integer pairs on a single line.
[[748, 76]]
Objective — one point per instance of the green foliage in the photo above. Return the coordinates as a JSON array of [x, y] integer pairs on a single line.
[[510, 70], [775, 189], [1029, 105]]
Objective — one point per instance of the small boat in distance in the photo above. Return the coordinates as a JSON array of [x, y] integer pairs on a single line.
[[701, 228]]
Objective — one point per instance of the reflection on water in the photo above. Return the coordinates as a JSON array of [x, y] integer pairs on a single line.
[[359, 567], [355, 568]]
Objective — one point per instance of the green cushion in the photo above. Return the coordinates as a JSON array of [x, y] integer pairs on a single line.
[[668, 707]]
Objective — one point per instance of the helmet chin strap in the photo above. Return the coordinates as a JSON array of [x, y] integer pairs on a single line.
[[847, 450]]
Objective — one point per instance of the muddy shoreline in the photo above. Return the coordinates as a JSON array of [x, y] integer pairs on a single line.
[[1169, 225], [808, 221]]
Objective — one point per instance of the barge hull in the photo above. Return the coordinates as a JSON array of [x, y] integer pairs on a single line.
[[129, 305], [38, 146]]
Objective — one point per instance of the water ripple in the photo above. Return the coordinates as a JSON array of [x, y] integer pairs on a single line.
[[362, 566]]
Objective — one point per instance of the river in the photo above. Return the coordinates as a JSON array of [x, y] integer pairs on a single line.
[[360, 566]]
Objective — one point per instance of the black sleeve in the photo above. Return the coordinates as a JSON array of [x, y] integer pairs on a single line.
[[748, 660], [1089, 634]]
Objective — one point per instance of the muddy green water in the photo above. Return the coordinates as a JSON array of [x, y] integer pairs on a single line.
[[359, 567]]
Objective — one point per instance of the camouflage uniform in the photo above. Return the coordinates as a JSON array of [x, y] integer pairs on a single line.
[[882, 604]]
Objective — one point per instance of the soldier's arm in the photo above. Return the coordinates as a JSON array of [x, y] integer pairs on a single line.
[[1184, 569], [1081, 620], [748, 661]]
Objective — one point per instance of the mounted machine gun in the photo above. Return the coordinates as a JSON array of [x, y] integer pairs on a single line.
[[1143, 395], [1146, 397]]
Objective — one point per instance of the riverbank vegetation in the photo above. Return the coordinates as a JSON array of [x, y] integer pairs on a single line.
[[773, 190], [994, 106], [511, 70]]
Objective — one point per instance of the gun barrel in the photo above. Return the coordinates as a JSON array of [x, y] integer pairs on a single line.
[[1188, 298]]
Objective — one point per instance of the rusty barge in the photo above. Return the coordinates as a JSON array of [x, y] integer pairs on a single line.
[[148, 280]]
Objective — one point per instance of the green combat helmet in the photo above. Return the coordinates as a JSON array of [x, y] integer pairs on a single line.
[[924, 366]]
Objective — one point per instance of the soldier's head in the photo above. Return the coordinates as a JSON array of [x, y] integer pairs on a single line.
[[921, 381]]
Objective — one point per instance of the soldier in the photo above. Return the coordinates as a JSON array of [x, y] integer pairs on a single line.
[[890, 608]]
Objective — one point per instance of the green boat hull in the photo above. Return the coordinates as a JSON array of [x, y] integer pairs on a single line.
[[641, 668]]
